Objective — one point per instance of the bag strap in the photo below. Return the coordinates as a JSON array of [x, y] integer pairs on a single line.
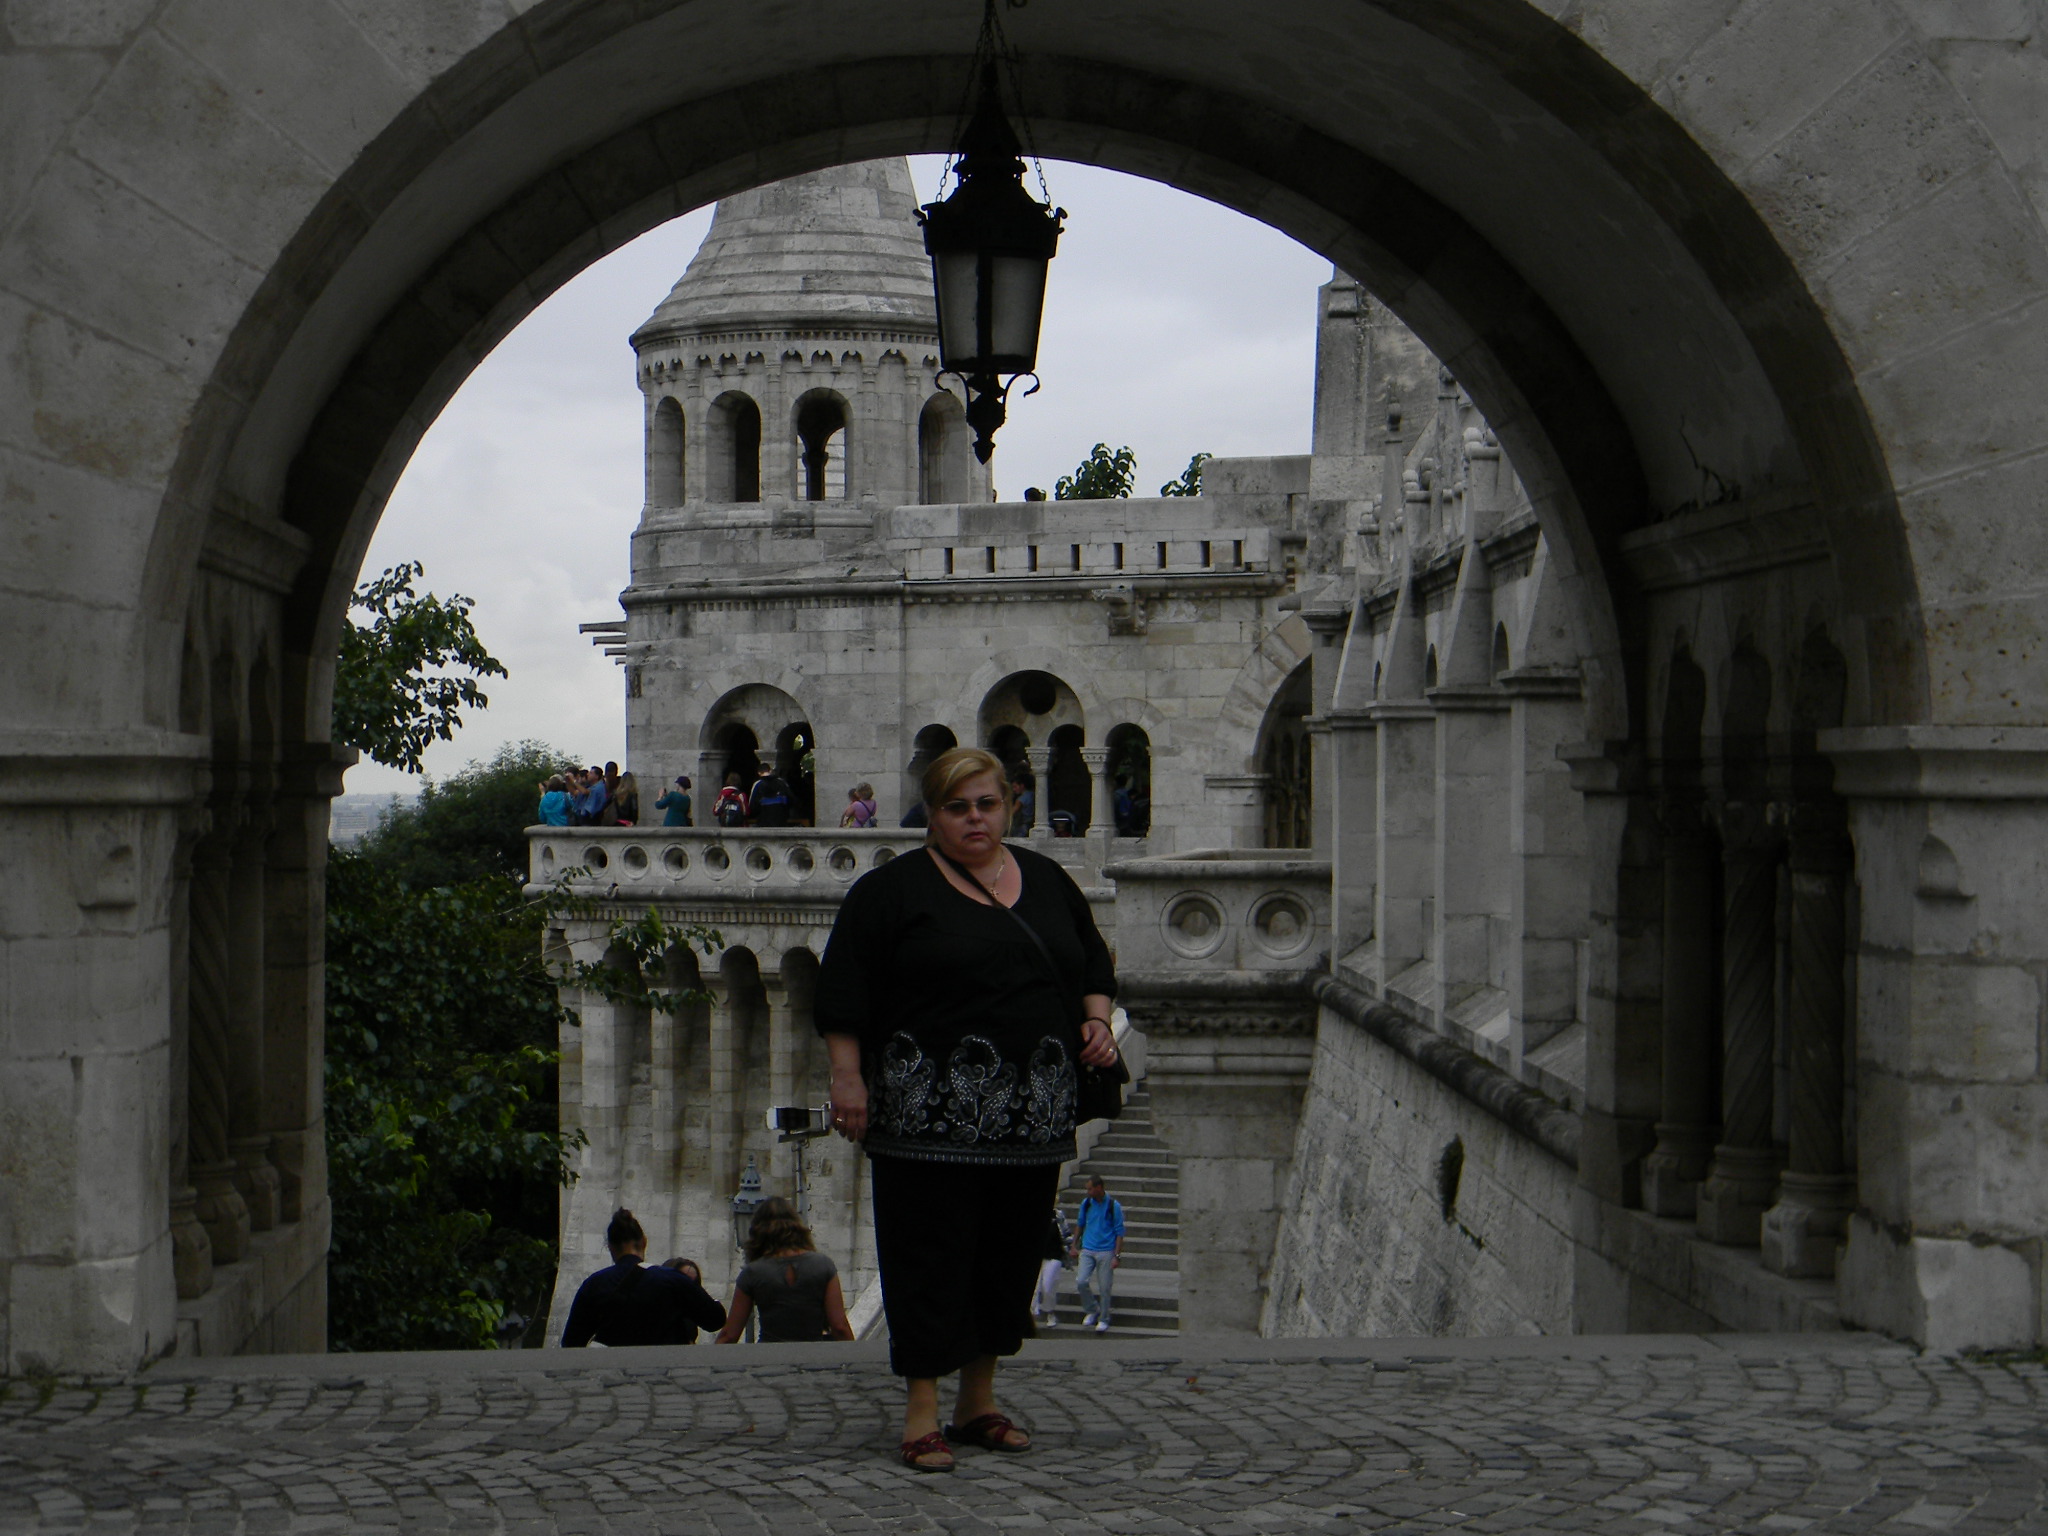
[[981, 891]]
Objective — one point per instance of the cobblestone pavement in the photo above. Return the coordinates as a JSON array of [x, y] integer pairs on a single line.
[[1621, 1435]]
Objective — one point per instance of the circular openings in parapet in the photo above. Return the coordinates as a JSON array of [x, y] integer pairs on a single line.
[[842, 862], [716, 861], [801, 861], [759, 862], [1193, 925], [1282, 924], [1038, 692], [595, 858], [676, 861], [883, 856], [547, 855], [634, 858]]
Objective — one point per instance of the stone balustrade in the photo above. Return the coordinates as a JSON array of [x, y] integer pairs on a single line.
[[1234, 909], [713, 864]]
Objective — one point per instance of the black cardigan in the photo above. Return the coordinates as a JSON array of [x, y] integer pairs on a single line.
[[968, 1044]]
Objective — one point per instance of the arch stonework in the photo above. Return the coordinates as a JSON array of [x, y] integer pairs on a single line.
[[1819, 230]]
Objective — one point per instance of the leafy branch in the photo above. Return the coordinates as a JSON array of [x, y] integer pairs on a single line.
[[393, 694]]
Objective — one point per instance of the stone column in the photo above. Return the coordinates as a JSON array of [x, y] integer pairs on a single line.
[[1101, 793], [248, 1136], [1802, 1231], [191, 1251], [1040, 760], [1674, 1171], [779, 1166], [295, 888], [722, 1126], [220, 1207], [1547, 843], [1472, 840], [1744, 1178], [710, 778], [1406, 781], [1354, 829], [1625, 878]]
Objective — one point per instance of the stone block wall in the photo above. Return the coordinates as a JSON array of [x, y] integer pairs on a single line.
[[1412, 1211]]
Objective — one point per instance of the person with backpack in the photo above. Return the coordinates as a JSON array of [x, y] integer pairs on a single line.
[[730, 808], [1099, 1245], [768, 806], [860, 807]]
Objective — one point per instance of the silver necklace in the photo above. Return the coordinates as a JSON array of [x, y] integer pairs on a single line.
[[1002, 868]]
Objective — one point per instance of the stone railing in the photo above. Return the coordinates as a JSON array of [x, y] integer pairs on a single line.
[[712, 864], [782, 864], [1221, 910]]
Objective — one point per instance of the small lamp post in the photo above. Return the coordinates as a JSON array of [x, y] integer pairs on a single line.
[[745, 1202], [990, 243]]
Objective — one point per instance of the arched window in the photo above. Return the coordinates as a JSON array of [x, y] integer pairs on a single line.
[[821, 446], [941, 436], [665, 454], [734, 462], [1285, 759], [1130, 781]]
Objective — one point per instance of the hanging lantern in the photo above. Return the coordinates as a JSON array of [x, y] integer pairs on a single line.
[[989, 243]]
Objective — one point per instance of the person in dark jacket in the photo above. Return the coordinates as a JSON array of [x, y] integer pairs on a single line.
[[962, 989], [769, 803], [630, 1303]]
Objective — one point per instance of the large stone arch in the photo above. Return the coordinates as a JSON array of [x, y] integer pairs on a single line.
[[1757, 258]]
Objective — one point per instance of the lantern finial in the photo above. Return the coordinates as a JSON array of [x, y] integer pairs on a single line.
[[989, 243]]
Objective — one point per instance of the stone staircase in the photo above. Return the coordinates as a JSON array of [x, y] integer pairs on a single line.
[[1140, 1173]]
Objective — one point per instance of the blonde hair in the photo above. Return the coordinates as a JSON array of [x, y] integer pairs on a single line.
[[950, 769]]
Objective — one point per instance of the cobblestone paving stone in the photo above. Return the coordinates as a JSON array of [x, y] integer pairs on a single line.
[[1767, 1436]]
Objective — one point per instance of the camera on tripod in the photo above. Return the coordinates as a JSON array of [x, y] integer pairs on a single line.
[[794, 1120]]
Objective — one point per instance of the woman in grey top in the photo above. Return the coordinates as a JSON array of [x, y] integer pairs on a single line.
[[793, 1286]]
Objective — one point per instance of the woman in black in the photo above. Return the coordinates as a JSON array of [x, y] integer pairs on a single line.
[[955, 1037]]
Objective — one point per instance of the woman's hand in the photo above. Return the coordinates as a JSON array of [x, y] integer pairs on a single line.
[[1098, 1045], [849, 1088]]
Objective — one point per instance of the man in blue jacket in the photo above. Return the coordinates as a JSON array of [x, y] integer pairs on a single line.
[[1099, 1242]]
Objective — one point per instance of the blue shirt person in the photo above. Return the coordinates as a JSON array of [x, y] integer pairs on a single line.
[[1099, 1243]]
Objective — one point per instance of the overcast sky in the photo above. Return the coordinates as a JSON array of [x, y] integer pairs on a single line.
[[1171, 324]]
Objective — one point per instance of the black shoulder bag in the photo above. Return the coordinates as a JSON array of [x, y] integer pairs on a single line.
[[1098, 1091]]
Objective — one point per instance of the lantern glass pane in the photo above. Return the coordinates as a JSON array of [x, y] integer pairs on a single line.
[[1017, 295], [954, 286]]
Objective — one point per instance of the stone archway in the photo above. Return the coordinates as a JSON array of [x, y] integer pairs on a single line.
[[1729, 264]]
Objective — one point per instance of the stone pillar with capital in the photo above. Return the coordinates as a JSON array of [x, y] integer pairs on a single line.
[[1040, 760], [1817, 1191], [1101, 793], [1743, 1181], [295, 890], [1674, 1171]]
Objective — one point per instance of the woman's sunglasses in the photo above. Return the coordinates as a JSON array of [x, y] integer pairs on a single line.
[[988, 805]]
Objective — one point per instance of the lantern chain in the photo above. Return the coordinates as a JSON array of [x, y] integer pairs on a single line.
[[993, 44]]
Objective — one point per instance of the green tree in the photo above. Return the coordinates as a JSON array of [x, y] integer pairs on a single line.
[[1102, 476], [470, 825], [393, 693], [1190, 481], [444, 1155]]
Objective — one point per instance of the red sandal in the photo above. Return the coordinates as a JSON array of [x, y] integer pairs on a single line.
[[914, 1452], [991, 1432]]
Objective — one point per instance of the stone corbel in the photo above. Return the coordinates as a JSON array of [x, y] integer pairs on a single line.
[[1127, 613]]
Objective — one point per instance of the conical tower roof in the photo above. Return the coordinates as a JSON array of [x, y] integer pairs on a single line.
[[832, 248]]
